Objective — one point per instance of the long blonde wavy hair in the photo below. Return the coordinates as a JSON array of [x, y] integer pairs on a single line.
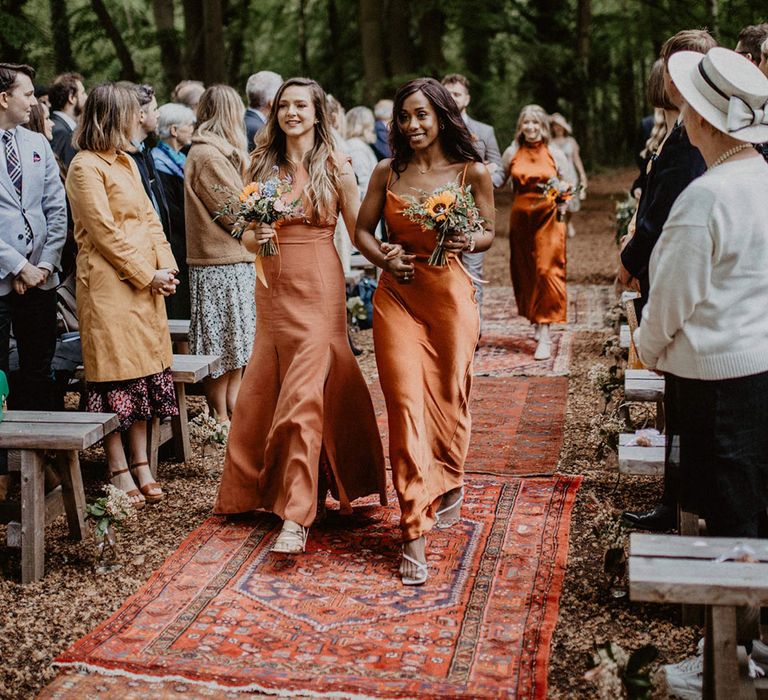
[[324, 180], [220, 116], [540, 115]]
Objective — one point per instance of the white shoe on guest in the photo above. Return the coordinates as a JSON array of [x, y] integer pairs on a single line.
[[685, 680], [543, 349], [760, 655], [292, 538]]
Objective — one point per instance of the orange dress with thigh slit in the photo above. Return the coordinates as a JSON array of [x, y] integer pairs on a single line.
[[425, 334], [303, 404]]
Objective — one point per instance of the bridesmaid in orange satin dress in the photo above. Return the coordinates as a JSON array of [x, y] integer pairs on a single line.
[[426, 322], [302, 394], [536, 237]]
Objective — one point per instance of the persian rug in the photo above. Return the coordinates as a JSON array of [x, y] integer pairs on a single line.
[[225, 614], [517, 424]]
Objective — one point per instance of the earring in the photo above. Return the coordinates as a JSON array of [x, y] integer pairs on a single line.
[[442, 126]]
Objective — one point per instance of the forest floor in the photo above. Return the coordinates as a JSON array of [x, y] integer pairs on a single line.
[[40, 620]]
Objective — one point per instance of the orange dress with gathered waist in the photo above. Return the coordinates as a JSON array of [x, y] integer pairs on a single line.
[[303, 403], [536, 238], [424, 334]]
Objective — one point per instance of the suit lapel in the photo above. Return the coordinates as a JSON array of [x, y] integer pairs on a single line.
[[26, 155], [5, 178]]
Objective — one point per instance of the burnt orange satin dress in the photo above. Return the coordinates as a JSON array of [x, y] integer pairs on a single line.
[[303, 404], [424, 336], [536, 239]]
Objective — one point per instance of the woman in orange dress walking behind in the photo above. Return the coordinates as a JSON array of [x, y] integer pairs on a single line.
[[536, 236], [426, 322], [302, 394]]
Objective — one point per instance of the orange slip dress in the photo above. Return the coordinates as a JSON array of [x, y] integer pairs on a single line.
[[424, 334], [303, 403], [536, 238]]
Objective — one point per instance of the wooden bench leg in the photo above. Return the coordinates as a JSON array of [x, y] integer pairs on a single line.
[[180, 426], [153, 444], [32, 516], [72, 491], [660, 416], [722, 680], [688, 526]]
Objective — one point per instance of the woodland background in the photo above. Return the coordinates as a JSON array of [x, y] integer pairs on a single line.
[[588, 59]]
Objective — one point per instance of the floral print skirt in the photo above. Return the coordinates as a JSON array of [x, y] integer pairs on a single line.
[[134, 399]]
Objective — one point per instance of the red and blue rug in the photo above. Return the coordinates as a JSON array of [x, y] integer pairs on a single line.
[[224, 614]]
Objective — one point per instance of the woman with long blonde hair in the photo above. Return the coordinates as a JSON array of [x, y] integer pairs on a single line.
[[221, 272], [302, 391]]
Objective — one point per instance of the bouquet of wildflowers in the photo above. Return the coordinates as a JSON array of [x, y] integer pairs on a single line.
[[448, 209], [261, 202], [115, 508], [206, 429], [625, 210], [557, 191]]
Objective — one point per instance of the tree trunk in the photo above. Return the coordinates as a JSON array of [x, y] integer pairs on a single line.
[[336, 51], [714, 17], [580, 96], [302, 32], [477, 36], [236, 42], [62, 46], [431, 30], [194, 46], [127, 69], [374, 71], [167, 40], [399, 40], [213, 42]]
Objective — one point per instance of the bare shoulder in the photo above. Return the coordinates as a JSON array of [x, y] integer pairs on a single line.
[[380, 173], [477, 173]]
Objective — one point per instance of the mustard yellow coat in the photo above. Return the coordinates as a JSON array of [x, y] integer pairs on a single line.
[[121, 244]]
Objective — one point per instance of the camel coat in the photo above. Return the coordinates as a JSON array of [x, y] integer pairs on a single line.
[[123, 325]]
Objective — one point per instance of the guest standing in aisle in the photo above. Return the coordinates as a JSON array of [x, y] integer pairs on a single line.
[[426, 322], [303, 393], [536, 236]]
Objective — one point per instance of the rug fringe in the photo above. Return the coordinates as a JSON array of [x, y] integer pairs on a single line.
[[251, 688]]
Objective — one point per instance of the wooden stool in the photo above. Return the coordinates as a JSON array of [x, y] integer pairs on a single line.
[[32, 433], [186, 369], [670, 569]]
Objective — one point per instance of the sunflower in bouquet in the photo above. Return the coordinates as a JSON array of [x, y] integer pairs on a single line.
[[450, 209], [557, 191], [264, 203]]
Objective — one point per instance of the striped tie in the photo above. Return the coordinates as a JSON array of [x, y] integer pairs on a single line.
[[14, 172]]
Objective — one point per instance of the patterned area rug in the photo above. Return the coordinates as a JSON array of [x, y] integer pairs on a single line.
[[517, 424], [225, 613]]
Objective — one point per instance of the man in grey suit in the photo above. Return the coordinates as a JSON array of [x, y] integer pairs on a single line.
[[260, 89], [485, 142], [33, 228]]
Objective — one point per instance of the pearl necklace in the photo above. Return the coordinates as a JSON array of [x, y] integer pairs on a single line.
[[730, 152]]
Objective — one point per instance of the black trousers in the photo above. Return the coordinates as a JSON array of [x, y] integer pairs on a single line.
[[32, 316]]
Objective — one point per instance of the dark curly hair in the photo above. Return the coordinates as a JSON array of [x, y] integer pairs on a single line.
[[454, 135]]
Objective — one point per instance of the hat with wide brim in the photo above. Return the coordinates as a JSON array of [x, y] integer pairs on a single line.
[[726, 89], [559, 119]]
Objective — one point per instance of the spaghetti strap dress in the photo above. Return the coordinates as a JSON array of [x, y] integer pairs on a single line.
[[303, 404], [425, 334], [536, 238]]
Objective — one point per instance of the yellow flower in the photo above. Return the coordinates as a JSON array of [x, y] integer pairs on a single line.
[[252, 188], [437, 205]]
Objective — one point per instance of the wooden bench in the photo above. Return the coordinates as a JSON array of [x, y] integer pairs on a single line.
[[644, 385], [624, 336], [186, 369], [32, 433], [639, 459], [179, 329], [670, 569]]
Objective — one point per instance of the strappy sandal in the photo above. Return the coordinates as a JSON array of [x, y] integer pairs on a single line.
[[443, 522], [292, 539], [422, 571], [146, 489], [132, 494]]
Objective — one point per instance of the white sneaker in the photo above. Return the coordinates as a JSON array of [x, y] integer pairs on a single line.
[[685, 679], [760, 655]]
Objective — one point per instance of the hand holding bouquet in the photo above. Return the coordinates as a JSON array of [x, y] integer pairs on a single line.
[[557, 191], [450, 210], [263, 203]]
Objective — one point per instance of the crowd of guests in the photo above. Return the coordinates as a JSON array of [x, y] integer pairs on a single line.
[[697, 252], [135, 193]]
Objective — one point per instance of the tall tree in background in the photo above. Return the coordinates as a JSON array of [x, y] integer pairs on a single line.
[[194, 41], [402, 57], [580, 94], [371, 45], [62, 45], [213, 42], [167, 40], [123, 53]]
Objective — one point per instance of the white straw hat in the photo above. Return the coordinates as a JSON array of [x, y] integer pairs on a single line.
[[726, 89]]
